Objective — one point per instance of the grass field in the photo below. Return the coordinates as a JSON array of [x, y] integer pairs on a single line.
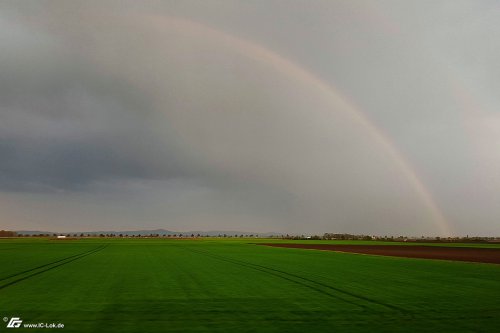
[[158, 285]]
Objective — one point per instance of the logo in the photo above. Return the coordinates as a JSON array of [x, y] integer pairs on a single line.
[[14, 322]]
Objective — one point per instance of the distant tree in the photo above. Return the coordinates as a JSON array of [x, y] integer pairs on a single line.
[[6, 233]]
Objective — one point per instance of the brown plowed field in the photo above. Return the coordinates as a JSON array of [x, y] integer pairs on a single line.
[[411, 251]]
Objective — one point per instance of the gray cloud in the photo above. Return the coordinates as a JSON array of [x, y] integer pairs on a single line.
[[118, 115]]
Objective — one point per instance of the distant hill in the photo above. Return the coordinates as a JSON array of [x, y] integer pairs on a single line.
[[33, 232], [161, 232]]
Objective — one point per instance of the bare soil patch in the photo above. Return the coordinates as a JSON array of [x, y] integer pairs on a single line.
[[470, 254]]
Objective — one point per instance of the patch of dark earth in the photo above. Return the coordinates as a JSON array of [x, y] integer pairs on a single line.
[[483, 255]]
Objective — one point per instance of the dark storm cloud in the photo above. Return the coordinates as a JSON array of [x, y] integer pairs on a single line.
[[63, 164], [66, 133], [145, 113], [64, 126]]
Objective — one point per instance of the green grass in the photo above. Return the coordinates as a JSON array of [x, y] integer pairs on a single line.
[[159, 285]]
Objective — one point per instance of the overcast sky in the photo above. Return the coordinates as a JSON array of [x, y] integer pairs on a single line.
[[374, 117]]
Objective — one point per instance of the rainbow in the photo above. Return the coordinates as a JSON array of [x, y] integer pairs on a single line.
[[287, 67]]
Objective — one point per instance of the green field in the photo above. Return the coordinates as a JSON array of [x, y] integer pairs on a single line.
[[159, 285]]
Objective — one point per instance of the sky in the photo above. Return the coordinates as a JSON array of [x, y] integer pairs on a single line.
[[366, 117]]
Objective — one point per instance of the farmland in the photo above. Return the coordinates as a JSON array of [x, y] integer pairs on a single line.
[[212, 285]]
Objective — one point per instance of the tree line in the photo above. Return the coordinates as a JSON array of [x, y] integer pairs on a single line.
[[6, 233]]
